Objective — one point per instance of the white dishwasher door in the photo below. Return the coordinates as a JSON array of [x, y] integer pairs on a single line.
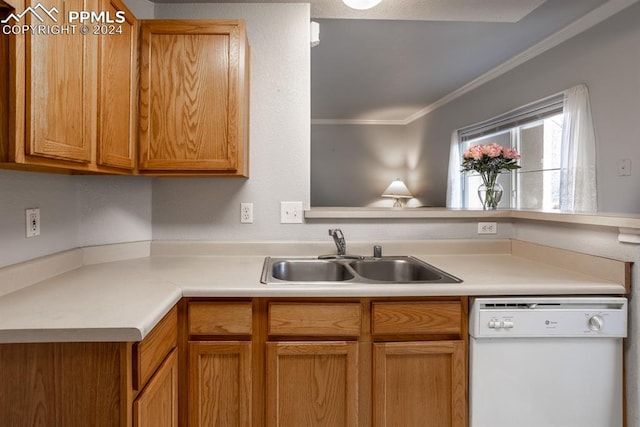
[[526, 370]]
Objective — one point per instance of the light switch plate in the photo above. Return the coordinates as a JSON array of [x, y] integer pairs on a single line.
[[290, 212]]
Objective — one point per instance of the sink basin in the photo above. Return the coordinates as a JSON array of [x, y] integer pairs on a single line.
[[310, 270], [397, 270], [394, 269]]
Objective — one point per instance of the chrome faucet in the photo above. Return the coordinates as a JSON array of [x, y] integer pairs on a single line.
[[338, 238]]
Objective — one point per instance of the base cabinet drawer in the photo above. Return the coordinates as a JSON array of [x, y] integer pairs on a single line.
[[417, 318], [315, 319], [149, 353], [220, 318]]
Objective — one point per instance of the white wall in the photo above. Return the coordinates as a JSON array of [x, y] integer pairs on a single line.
[[55, 195], [209, 208], [113, 209], [74, 211]]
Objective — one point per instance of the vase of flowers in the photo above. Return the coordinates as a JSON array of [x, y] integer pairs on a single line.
[[489, 160]]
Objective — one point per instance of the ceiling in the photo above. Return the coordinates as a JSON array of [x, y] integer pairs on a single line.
[[387, 70], [397, 60]]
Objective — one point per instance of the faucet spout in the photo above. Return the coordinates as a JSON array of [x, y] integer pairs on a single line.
[[338, 239]]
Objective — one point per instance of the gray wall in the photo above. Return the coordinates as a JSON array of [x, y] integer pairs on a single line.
[[606, 58], [351, 165]]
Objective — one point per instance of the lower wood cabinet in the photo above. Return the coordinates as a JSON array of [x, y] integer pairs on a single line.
[[157, 404], [340, 362], [419, 384], [98, 384], [312, 384], [220, 384]]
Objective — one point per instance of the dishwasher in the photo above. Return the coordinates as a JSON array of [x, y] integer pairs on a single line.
[[546, 362]]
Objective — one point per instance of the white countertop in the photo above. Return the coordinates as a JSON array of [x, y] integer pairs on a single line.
[[123, 300]]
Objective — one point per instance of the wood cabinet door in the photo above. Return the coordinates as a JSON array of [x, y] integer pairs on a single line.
[[61, 87], [220, 384], [312, 384], [118, 89], [157, 404], [419, 384], [192, 94]]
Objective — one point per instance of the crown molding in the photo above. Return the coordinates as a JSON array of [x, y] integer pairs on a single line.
[[359, 122]]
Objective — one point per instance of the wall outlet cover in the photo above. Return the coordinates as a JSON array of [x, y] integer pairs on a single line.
[[487, 228], [246, 213], [32, 222]]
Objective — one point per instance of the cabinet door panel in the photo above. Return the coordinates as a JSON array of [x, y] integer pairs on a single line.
[[118, 103], [191, 89], [312, 384], [419, 383], [62, 90], [157, 405], [220, 384]]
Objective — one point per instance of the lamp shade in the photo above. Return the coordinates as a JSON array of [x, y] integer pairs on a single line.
[[398, 190], [361, 4]]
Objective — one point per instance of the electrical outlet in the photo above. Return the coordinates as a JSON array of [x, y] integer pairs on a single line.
[[246, 213], [290, 212], [487, 228], [32, 222]]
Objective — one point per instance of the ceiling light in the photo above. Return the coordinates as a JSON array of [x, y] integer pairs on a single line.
[[361, 4]]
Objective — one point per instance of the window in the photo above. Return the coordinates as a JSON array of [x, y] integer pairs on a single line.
[[535, 131], [556, 141], [536, 185]]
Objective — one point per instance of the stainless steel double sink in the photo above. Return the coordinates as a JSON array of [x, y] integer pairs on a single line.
[[387, 269]]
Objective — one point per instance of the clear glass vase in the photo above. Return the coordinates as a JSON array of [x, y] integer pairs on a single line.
[[490, 195]]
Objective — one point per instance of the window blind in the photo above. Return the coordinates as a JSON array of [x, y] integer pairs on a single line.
[[529, 113]]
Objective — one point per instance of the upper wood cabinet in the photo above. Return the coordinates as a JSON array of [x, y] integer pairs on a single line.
[[61, 90], [89, 103], [117, 91], [72, 96], [194, 98]]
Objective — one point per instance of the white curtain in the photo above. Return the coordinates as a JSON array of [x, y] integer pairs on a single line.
[[454, 181], [578, 160]]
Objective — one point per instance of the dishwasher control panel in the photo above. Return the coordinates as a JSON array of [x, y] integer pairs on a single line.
[[544, 317]]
